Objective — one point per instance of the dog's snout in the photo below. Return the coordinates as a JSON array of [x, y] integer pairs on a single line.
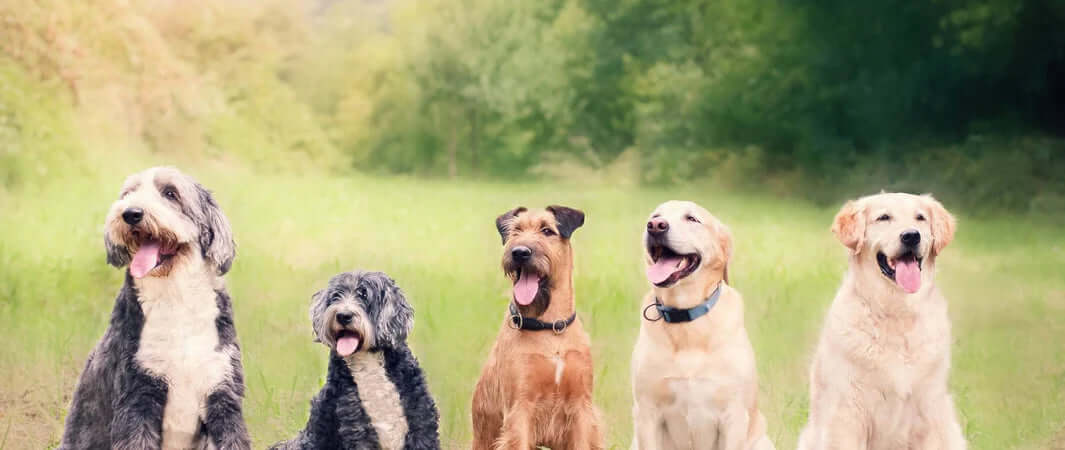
[[133, 216], [344, 318], [910, 238], [657, 226], [521, 253]]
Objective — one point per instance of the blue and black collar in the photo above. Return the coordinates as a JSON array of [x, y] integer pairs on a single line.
[[678, 315]]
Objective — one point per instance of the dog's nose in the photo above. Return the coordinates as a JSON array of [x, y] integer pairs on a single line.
[[657, 226], [910, 238], [521, 253], [133, 216], [344, 318]]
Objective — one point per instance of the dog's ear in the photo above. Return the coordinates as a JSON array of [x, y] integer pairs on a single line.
[[724, 240], [569, 219], [117, 254], [216, 237], [504, 220], [849, 226], [317, 312], [396, 317], [943, 224]]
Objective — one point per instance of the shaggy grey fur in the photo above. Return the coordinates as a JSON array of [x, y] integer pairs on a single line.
[[120, 404], [382, 316]]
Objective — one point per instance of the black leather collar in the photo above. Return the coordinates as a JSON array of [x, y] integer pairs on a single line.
[[530, 324], [677, 315]]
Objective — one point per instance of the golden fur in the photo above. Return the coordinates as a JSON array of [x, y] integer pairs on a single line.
[[879, 376], [695, 384], [536, 387]]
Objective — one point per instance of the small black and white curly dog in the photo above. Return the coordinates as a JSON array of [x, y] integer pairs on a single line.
[[167, 372], [375, 395]]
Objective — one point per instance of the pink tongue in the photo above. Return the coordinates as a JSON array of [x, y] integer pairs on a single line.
[[347, 345], [661, 270], [146, 258], [526, 287], [908, 275]]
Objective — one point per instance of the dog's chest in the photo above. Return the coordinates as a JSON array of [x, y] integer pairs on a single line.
[[906, 357], [179, 343], [698, 401], [379, 397]]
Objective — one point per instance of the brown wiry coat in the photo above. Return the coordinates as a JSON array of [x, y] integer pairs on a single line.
[[536, 387]]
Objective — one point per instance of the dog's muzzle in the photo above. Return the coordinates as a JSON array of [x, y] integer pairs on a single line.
[[667, 266], [905, 267]]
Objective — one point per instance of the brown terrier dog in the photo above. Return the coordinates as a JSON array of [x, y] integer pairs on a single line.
[[536, 388]]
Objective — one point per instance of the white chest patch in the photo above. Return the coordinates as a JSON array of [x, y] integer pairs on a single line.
[[179, 343], [379, 398]]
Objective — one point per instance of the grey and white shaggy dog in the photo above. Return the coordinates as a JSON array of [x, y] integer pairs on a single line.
[[375, 395], [167, 372]]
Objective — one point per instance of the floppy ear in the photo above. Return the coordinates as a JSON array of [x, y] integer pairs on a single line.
[[397, 316], [117, 255], [569, 219], [724, 240], [317, 312], [943, 224], [849, 226], [503, 221], [216, 237]]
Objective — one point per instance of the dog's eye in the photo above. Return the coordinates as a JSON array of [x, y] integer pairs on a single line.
[[334, 298], [170, 192], [691, 218], [547, 231], [361, 293], [920, 217], [883, 218]]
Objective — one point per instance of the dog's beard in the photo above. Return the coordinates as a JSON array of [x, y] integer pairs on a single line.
[[531, 290], [348, 342], [351, 338], [526, 287], [153, 249]]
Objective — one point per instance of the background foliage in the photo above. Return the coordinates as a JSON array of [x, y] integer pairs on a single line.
[[960, 97]]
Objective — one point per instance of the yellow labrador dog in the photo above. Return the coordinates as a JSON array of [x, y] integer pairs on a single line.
[[693, 371], [879, 376]]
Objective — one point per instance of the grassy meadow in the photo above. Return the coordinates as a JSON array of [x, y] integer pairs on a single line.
[[1003, 277]]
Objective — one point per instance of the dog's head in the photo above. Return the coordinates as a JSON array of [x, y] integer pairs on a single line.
[[899, 233], [361, 311], [683, 239], [161, 217], [537, 252]]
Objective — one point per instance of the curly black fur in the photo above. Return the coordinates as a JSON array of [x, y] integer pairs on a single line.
[[337, 418]]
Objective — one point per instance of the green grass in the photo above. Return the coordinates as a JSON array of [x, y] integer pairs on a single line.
[[437, 239]]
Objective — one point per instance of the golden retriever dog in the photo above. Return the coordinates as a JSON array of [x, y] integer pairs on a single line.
[[879, 375], [694, 381]]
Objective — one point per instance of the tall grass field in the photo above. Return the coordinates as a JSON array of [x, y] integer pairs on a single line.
[[1003, 277]]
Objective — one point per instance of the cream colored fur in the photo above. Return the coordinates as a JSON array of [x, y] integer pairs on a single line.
[[179, 342], [879, 375], [695, 384], [379, 398]]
